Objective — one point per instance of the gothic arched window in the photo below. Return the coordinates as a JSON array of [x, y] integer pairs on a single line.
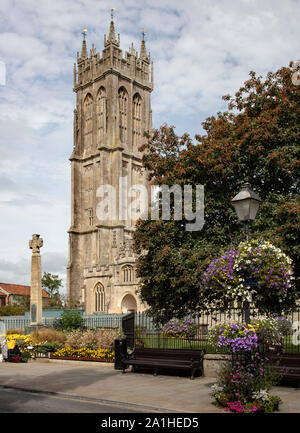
[[101, 115], [99, 297], [123, 100], [127, 274], [88, 121], [136, 120]]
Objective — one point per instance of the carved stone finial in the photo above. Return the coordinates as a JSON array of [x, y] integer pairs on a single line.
[[112, 39], [83, 50], [143, 53], [35, 244]]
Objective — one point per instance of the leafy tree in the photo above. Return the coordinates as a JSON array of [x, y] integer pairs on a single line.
[[51, 284], [23, 302], [255, 139]]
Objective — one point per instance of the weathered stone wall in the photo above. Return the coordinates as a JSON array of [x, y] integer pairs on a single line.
[[212, 362]]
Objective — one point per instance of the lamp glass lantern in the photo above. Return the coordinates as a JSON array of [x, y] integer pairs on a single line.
[[246, 204]]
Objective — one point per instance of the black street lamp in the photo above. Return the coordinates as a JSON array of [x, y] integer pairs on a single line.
[[246, 204]]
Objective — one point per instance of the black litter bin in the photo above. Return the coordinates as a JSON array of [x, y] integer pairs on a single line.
[[120, 352], [14, 355]]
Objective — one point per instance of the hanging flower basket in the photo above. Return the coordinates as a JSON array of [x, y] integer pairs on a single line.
[[257, 272]]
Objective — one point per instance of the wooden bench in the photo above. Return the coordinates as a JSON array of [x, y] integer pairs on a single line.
[[289, 367], [157, 359]]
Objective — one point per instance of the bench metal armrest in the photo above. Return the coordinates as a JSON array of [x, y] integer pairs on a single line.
[[200, 359], [131, 355]]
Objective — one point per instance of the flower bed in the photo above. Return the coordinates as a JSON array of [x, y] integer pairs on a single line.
[[184, 329], [93, 339], [82, 345], [21, 339], [238, 336], [67, 352], [262, 402], [72, 358], [244, 382]]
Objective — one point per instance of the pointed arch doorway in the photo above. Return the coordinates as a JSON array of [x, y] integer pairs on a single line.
[[128, 304]]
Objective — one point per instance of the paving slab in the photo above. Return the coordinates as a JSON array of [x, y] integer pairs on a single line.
[[102, 381]]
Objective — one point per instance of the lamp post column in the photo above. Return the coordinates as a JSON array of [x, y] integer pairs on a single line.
[[246, 204]]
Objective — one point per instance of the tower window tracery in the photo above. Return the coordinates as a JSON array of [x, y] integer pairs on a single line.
[[88, 121], [99, 292], [90, 216], [123, 101], [127, 274], [136, 120], [101, 115]]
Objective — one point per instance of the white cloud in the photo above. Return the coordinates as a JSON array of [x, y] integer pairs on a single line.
[[18, 272]]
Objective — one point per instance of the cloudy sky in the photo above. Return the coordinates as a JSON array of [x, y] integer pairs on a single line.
[[202, 49]]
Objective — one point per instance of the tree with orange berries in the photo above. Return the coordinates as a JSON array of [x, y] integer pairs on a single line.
[[257, 140]]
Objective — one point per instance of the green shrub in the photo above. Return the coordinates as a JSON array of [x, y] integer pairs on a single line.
[[48, 335], [48, 347], [93, 339], [12, 310], [272, 404], [68, 321]]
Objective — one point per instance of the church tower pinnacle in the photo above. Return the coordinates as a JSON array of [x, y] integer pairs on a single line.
[[113, 110], [112, 34], [83, 48], [143, 53]]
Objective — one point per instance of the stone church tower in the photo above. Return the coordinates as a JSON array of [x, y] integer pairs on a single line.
[[113, 109]]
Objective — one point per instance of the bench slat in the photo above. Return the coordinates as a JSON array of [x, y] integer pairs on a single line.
[[289, 366], [166, 358]]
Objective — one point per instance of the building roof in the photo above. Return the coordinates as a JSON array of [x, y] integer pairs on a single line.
[[18, 289]]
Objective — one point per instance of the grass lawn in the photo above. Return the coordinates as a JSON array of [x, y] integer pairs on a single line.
[[157, 341], [289, 347]]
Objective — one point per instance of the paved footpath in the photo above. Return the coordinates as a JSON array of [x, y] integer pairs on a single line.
[[101, 382]]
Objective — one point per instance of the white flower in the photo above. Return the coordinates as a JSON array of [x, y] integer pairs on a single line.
[[262, 395], [216, 389]]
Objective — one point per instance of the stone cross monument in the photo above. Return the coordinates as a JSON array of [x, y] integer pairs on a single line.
[[36, 281]]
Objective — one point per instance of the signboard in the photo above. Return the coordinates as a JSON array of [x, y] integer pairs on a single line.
[[251, 282]]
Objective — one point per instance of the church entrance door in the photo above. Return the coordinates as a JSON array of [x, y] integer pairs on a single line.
[[128, 304]]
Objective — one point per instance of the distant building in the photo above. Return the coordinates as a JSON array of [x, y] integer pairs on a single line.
[[12, 294]]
